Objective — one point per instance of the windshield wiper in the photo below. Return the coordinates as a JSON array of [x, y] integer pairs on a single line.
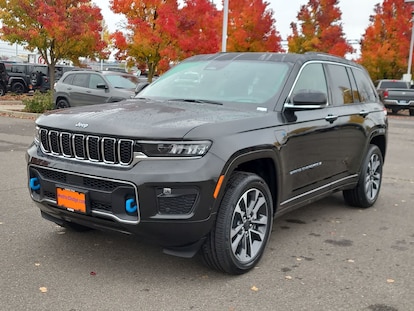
[[198, 101]]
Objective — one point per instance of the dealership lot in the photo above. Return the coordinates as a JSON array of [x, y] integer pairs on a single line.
[[325, 256]]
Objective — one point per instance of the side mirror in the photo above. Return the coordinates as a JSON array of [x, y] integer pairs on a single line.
[[102, 86], [305, 100], [140, 86]]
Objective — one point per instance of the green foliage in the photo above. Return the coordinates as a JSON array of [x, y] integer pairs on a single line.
[[39, 102]]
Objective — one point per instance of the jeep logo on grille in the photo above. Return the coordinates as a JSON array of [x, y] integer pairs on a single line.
[[82, 125]]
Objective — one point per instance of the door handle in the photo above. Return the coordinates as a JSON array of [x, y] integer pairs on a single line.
[[331, 118], [363, 113]]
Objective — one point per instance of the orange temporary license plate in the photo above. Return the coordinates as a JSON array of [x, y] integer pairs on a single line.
[[71, 200]]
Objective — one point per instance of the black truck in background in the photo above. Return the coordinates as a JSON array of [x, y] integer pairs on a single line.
[[25, 77], [396, 95]]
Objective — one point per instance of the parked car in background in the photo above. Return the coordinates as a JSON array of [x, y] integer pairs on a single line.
[[25, 77], [4, 78], [117, 69], [205, 157], [89, 87], [396, 95]]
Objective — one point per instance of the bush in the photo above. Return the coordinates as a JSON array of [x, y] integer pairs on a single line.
[[39, 102]]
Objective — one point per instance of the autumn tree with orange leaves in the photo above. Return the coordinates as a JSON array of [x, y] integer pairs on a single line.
[[158, 32], [150, 35], [251, 27], [56, 29], [320, 29], [386, 42]]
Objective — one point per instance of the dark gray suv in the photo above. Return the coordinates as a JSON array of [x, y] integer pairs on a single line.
[[88, 87], [207, 155]]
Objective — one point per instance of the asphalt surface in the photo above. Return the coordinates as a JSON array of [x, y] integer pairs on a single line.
[[325, 256]]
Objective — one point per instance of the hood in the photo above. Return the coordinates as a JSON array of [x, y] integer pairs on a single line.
[[138, 118]]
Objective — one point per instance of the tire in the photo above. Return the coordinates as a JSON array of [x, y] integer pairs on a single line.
[[367, 190], [35, 79], [412, 112], [18, 88], [61, 103], [2, 91], [238, 240]]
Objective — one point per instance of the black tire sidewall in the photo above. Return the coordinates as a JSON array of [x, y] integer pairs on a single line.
[[237, 186], [373, 149], [18, 87], [60, 102]]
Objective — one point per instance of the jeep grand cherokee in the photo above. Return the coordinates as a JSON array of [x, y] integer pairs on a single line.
[[207, 155]]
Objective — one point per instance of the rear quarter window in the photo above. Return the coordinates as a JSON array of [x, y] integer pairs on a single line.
[[366, 90]]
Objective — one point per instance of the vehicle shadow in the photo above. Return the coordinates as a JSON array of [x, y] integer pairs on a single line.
[[115, 255]]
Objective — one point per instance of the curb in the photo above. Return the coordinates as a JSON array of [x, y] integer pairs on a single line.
[[19, 114]]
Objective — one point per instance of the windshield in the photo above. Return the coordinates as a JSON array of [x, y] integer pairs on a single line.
[[122, 81], [235, 81]]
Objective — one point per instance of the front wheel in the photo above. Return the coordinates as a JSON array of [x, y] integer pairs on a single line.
[[367, 190], [243, 225], [411, 112], [18, 88], [61, 104]]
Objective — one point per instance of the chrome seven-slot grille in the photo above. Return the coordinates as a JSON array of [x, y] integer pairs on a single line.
[[109, 150]]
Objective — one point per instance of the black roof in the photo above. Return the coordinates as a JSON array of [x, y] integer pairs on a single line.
[[278, 57]]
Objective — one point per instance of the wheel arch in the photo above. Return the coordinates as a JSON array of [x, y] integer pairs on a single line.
[[262, 162], [381, 142], [61, 97]]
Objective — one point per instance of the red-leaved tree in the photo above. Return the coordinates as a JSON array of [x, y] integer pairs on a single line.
[[320, 29], [251, 27]]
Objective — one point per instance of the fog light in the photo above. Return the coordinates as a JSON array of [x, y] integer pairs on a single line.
[[34, 183], [130, 206]]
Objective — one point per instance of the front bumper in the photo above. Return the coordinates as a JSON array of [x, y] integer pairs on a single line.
[[173, 198]]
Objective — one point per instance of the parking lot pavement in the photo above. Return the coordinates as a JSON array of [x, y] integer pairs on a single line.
[[324, 257]]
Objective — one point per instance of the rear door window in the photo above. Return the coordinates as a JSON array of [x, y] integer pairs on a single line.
[[340, 85], [81, 79]]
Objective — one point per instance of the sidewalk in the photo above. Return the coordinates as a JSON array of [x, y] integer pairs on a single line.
[[14, 108]]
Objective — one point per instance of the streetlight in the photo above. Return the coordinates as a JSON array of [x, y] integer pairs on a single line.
[[407, 76]]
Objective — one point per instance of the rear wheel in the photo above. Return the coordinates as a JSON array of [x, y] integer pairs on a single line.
[[367, 190], [244, 222], [2, 90], [411, 112]]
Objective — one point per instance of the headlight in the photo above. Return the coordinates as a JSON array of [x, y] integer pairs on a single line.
[[37, 136], [174, 149]]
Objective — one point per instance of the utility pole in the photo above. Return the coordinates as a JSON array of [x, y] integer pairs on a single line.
[[407, 76], [225, 23]]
